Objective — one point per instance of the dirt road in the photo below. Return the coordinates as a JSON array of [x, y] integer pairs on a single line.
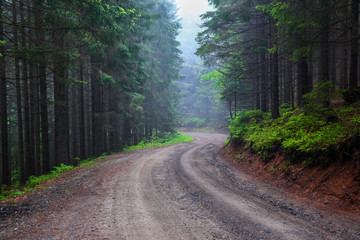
[[184, 191]]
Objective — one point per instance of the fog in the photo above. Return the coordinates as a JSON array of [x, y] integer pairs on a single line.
[[189, 12], [199, 105]]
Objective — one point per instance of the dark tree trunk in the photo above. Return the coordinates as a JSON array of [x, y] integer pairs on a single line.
[[96, 108], [34, 85], [304, 83], [35, 124], [25, 174], [274, 71], [18, 98], [287, 82], [75, 126], [324, 68], [344, 81], [353, 80], [263, 72], [32, 76], [89, 116], [61, 106], [105, 106], [126, 132], [40, 37], [5, 157], [82, 112]]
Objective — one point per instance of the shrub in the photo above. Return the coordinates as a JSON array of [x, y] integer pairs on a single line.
[[298, 133], [194, 122]]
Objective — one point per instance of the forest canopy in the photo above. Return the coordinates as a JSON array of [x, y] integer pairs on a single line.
[[272, 52], [82, 78]]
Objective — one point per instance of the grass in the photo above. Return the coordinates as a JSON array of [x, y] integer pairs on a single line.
[[34, 181], [157, 142]]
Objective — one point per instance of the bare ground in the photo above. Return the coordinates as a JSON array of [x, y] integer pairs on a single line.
[[184, 191]]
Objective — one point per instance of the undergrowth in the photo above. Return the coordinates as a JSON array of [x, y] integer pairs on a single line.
[[194, 123], [34, 181], [167, 139], [317, 128]]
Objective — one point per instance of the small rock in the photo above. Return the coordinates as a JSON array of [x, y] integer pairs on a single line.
[[326, 202]]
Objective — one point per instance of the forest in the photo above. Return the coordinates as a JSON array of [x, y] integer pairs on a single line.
[[83, 78], [288, 72], [88, 77]]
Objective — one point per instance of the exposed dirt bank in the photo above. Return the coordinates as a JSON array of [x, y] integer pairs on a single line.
[[184, 191], [336, 186]]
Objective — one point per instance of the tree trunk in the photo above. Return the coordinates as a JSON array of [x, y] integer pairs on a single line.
[[287, 82], [353, 80], [34, 96], [344, 81], [18, 97], [5, 161], [274, 71], [40, 36], [82, 112], [324, 68], [96, 108], [25, 174], [303, 80], [75, 126], [32, 75], [262, 64], [61, 106], [126, 130]]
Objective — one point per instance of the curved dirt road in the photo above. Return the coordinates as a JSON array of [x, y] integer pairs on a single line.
[[184, 191]]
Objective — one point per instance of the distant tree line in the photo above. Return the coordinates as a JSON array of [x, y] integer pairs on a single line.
[[269, 53], [84, 77]]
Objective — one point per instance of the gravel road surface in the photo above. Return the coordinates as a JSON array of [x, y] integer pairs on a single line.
[[184, 191]]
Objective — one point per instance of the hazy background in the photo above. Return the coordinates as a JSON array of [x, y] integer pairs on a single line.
[[200, 105], [189, 12]]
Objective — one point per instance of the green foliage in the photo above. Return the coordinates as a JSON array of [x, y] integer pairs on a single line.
[[246, 123], [194, 123], [296, 131], [321, 96], [165, 140], [216, 77], [34, 180]]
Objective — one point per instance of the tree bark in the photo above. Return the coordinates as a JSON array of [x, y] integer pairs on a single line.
[[274, 77], [287, 82], [81, 121], [25, 174], [5, 157], [61, 106], [303, 81], [40, 37], [18, 97], [324, 68], [96, 108], [353, 78]]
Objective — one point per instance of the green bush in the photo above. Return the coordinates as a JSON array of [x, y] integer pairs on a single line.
[[298, 132], [194, 123], [166, 139]]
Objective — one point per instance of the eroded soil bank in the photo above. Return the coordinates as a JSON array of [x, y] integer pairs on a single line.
[[335, 186]]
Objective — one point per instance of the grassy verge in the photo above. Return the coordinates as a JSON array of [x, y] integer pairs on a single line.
[[168, 139], [34, 181]]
